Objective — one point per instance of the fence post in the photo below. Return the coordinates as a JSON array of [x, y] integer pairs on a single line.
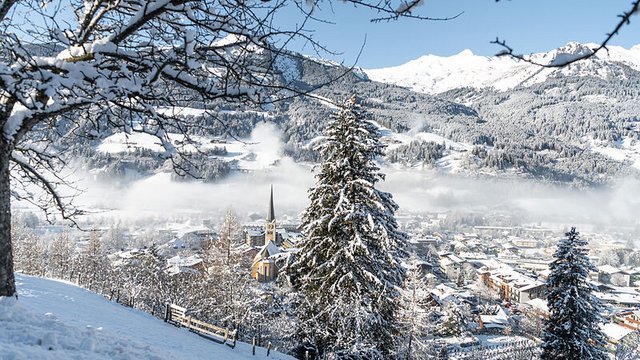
[[268, 348], [167, 312], [253, 348], [235, 338]]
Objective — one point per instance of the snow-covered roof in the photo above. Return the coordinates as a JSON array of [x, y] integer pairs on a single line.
[[473, 255], [635, 271], [446, 262], [182, 264], [531, 286], [255, 231], [491, 322], [608, 269], [539, 304], [615, 332], [269, 249], [619, 298], [545, 273], [443, 293], [187, 261]]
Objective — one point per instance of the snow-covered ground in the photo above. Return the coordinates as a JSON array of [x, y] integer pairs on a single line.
[[449, 163], [624, 150], [260, 151], [56, 320]]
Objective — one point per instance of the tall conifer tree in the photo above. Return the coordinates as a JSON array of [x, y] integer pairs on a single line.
[[572, 331], [347, 270]]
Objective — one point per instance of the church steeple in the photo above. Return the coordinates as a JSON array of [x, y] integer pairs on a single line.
[[270, 224], [271, 216]]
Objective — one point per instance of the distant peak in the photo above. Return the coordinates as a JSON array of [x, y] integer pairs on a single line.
[[577, 48], [465, 52], [570, 51]]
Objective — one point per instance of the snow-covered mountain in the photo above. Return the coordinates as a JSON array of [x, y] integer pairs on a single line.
[[435, 74], [56, 320], [466, 114]]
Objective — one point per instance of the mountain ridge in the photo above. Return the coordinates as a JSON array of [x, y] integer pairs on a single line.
[[436, 74], [577, 125]]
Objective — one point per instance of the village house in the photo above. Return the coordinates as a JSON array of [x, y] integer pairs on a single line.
[[608, 274], [630, 319], [615, 334], [422, 245], [494, 320], [630, 277], [511, 285], [451, 265], [184, 264], [524, 243]]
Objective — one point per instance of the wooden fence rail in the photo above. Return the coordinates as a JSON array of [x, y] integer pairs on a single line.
[[178, 316], [507, 351]]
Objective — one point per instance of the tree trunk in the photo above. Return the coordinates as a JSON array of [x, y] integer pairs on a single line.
[[7, 280]]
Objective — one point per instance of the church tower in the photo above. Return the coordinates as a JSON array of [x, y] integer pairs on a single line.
[[270, 224]]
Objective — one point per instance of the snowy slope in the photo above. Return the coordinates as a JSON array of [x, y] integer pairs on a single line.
[[257, 152], [435, 74], [55, 320]]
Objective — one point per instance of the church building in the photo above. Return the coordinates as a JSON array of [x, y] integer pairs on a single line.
[[261, 236], [264, 268]]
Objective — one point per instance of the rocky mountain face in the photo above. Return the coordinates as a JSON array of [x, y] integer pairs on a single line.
[[466, 114]]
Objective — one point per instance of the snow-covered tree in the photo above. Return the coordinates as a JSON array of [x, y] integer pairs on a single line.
[[30, 252], [228, 276], [415, 314], [72, 68], [628, 348], [572, 330], [230, 236], [454, 320], [92, 264], [348, 267], [61, 252], [152, 280]]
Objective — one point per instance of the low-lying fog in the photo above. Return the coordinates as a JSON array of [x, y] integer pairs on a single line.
[[415, 190]]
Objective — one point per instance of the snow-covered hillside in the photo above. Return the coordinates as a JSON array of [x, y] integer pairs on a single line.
[[434, 74], [56, 320]]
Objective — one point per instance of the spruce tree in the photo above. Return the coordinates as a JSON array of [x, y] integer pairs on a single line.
[[572, 331], [347, 270]]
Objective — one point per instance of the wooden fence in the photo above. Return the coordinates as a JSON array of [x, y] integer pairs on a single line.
[[177, 315], [516, 350]]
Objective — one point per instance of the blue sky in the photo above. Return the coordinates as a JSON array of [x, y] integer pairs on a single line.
[[527, 25]]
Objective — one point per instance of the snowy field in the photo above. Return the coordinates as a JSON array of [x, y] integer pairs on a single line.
[[56, 320]]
